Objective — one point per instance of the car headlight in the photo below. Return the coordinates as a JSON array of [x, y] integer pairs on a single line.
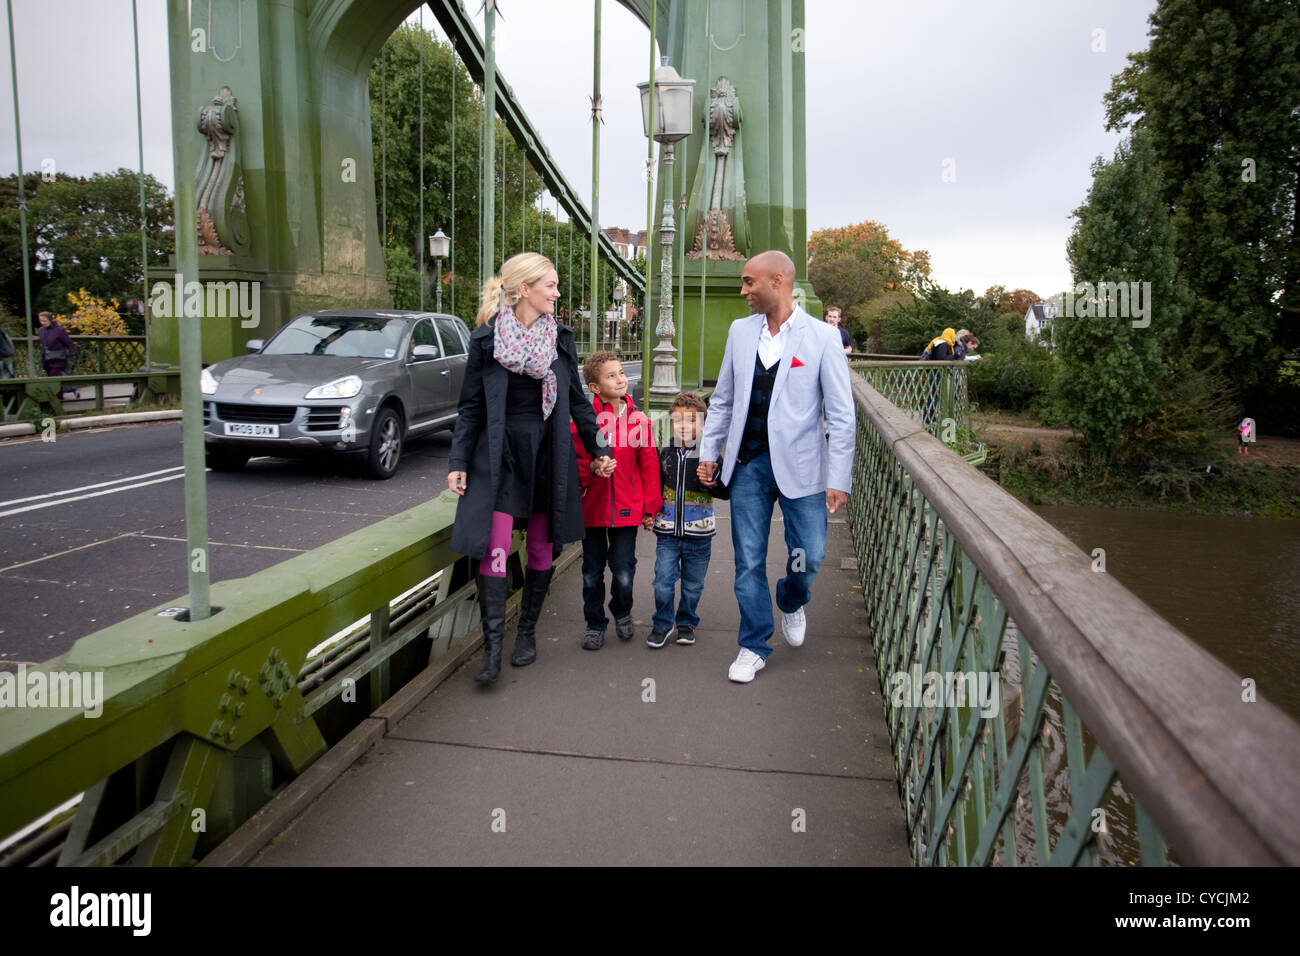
[[345, 387], [207, 382]]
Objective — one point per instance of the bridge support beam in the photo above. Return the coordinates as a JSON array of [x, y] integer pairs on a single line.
[[758, 48]]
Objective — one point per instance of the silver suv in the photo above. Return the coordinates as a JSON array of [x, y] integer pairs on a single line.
[[348, 382]]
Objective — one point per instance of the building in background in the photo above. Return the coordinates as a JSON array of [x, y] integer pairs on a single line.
[[1038, 322]]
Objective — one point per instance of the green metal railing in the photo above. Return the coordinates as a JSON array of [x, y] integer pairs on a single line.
[[202, 721], [1111, 733], [611, 336], [34, 399], [932, 393], [96, 354]]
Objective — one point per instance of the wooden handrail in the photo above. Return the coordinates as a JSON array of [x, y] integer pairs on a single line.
[[1219, 776]]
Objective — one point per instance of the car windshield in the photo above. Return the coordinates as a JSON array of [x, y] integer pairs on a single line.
[[354, 336]]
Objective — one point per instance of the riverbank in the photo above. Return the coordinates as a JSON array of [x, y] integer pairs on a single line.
[[1044, 466]]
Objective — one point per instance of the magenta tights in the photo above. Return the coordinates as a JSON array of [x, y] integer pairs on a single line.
[[536, 539]]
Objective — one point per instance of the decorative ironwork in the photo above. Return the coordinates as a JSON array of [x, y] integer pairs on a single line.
[[977, 789], [933, 394], [715, 237], [219, 188]]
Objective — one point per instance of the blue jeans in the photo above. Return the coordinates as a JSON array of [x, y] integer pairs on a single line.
[[687, 558], [617, 548], [753, 494]]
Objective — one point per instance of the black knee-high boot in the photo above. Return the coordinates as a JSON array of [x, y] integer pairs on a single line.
[[492, 608], [536, 584]]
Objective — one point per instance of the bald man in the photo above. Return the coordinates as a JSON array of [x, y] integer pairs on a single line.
[[783, 372]]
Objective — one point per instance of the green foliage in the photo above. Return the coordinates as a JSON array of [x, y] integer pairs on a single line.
[[1111, 372], [84, 233], [908, 327], [1243, 487], [395, 129], [855, 266], [11, 323], [867, 325], [1193, 413], [403, 278], [1216, 94], [1012, 376]]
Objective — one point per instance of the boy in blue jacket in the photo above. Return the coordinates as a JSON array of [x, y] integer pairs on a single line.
[[684, 526]]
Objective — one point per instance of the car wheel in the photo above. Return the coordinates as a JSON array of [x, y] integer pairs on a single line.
[[385, 445], [224, 459]]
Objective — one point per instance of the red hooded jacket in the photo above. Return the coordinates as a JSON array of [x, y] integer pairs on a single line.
[[632, 492]]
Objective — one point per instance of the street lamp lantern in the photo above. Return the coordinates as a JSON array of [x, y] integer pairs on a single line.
[[439, 248], [673, 105], [619, 293], [674, 115]]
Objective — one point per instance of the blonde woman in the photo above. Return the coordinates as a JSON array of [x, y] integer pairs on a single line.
[[512, 459]]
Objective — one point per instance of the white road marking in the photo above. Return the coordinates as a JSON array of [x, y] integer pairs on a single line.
[[102, 484], [93, 494]]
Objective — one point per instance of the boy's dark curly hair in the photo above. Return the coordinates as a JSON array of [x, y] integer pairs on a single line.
[[595, 362]]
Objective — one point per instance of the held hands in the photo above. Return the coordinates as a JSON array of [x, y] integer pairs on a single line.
[[706, 472], [648, 522], [603, 467], [835, 500], [456, 481]]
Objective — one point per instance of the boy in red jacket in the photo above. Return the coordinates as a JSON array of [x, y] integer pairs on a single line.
[[614, 505]]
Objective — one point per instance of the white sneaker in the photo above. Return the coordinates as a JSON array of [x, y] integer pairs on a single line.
[[745, 666], [793, 625]]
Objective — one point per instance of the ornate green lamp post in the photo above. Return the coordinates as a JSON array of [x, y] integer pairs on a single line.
[[673, 115]]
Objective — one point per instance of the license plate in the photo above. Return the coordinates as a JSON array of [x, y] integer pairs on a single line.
[[249, 430]]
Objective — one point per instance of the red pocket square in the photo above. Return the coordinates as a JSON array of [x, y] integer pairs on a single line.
[[795, 363]]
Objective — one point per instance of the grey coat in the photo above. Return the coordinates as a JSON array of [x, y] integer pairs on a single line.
[[479, 437]]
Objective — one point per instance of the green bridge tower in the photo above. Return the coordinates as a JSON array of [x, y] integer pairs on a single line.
[[278, 107]]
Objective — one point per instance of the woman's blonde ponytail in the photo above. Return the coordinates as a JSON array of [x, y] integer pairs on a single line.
[[503, 288]]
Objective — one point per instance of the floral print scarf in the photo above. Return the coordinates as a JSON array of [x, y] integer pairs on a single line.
[[528, 351]]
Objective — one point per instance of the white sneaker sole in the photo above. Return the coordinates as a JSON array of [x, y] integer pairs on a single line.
[[744, 675], [790, 639]]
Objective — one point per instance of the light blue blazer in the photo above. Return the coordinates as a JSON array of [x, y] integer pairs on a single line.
[[803, 461]]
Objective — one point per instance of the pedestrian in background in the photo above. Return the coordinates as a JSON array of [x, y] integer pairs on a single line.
[[966, 343], [57, 350], [833, 318]]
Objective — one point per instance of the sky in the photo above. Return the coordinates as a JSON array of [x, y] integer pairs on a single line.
[[965, 127]]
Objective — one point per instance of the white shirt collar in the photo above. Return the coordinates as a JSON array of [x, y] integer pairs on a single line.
[[770, 347]]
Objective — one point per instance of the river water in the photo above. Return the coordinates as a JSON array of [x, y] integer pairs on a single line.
[[1230, 584]]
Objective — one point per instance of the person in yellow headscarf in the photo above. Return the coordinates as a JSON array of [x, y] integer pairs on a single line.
[[941, 349]]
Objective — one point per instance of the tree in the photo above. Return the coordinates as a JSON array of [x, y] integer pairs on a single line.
[[996, 299], [1112, 371], [1216, 93], [83, 233], [395, 128], [1022, 299], [861, 269], [910, 326], [92, 316]]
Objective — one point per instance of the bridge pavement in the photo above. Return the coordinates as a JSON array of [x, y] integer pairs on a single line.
[[574, 766]]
